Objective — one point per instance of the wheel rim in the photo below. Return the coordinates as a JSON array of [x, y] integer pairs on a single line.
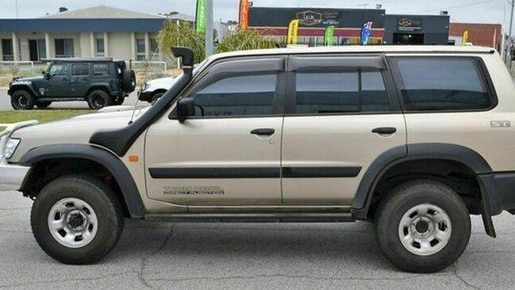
[[72, 222], [97, 101], [22, 101], [425, 229]]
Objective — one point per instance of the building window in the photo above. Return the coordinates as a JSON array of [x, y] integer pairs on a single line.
[[100, 47], [64, 48], [154, 49], [7, 50], [37, 49], [140, 49]]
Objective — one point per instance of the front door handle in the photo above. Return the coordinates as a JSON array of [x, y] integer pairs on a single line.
[[384, 130], [263, 132]]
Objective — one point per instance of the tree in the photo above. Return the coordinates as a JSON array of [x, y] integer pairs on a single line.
[[244, 39], [181, 33]]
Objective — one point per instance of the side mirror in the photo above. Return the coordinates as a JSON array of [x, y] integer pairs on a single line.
[[185, 108], [47, 76]]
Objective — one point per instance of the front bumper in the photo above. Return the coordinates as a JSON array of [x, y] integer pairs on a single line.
[[12, 176]]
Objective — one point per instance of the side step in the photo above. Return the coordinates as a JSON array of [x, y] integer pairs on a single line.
[[253, 217]]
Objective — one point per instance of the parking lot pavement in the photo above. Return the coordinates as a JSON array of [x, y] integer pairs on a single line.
[[245, 256], [5, 102]]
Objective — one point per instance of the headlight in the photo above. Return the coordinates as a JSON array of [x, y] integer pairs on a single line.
[[10, 147]]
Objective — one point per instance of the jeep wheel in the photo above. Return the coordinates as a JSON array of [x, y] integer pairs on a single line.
[[98, 99], [422, 226], [128, 81], [43, 104], [22, 100], [76, 219]]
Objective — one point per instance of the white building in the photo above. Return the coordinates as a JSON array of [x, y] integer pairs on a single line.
[[91, 32]]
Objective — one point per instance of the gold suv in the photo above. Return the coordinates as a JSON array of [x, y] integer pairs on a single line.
[[414, 139]]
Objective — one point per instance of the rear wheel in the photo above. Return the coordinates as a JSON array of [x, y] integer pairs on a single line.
[[43, 104], [76, 219], [22, 100], [422, 226], [98, 99]]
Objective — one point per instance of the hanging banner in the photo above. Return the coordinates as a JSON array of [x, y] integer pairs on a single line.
[[366, 30], [465, 38], [244, 14], [293, 29], [200, 17], [329, 36]]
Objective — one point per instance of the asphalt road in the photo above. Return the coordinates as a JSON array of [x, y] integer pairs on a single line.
[[245, 256], [5, 102]]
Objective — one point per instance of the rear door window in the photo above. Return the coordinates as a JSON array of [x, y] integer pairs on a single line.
[[441, 83], [340, 92]]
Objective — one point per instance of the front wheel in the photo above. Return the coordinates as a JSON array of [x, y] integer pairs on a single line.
[[76, 219], [22, 100], [422, 226]]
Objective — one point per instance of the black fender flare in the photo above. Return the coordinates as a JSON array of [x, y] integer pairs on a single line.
[[119, 171], [413, 152], [24, 87]]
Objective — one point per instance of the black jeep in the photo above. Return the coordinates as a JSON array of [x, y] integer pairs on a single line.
[[99, 81]]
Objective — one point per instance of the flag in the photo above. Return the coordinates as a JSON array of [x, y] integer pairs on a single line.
[[293, 29], [465, 37], [366, 30], [329, 35], [244, 14], [200, 17]]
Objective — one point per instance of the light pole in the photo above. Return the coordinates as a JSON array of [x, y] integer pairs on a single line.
[[209, 28]]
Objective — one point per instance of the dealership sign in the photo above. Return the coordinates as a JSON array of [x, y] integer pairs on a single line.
[[409, 24], [311, 18]]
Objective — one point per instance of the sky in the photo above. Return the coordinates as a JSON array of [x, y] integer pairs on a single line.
[[475, 11]]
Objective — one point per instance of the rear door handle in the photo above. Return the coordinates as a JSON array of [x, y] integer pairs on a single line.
[[384, 130], [263, 132]]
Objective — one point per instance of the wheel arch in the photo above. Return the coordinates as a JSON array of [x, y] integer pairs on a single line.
[[40, 157], [95, 87], [414, 153], [23, 87]]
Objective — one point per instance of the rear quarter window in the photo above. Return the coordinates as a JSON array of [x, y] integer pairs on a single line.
[[441, 83]]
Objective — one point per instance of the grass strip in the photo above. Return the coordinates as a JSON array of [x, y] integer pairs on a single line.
[[42, 116]]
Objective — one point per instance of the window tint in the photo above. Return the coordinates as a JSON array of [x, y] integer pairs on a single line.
[[237, 96], [441, 84], [100, 69], [340, 92], [80, 69]]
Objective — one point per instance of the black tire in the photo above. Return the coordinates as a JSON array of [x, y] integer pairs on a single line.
[[43, 104], [98, 99], [409, 211], [22, 100], [128, 81], [156, 97], [65, 194]]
